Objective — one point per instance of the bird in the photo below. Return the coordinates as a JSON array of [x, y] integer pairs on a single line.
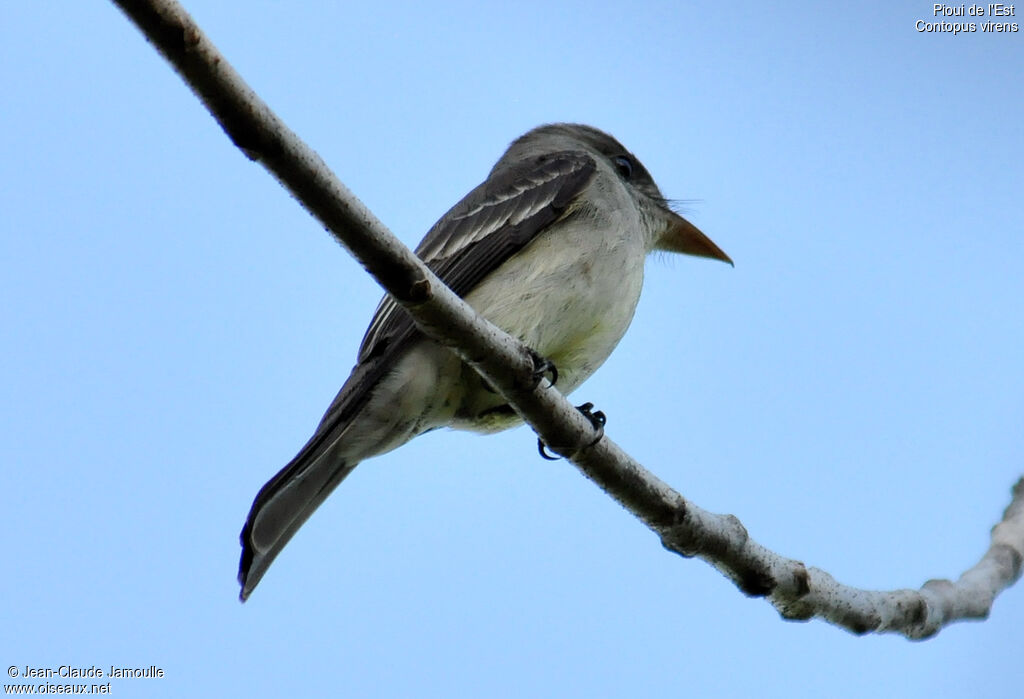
[[550, 247]]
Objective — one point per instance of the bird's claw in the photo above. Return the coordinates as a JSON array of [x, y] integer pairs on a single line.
[[543, 366], [543, 449], [597, 418]]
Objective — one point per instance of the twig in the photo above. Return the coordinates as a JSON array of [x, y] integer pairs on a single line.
[[796, 591]]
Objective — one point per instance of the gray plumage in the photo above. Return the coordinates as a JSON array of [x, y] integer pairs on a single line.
[[550, 247]]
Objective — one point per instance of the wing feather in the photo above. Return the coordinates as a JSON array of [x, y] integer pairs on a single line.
[[489, 225]]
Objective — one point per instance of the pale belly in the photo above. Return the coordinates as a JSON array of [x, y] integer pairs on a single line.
[[573, 314]]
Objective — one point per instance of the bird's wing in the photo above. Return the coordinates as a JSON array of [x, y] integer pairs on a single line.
[[489, 225], [492, 223]]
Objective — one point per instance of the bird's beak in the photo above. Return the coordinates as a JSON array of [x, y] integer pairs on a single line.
[[682, 236]]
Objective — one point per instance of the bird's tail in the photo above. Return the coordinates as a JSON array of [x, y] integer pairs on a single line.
[[361, 422], [282, 506]]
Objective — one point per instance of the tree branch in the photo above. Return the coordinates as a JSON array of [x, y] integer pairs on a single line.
[[798, 592]]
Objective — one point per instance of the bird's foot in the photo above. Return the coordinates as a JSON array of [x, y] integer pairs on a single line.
[[543, 366], [597, 418]]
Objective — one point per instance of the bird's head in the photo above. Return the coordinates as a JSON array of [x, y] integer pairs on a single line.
[[673, 233]]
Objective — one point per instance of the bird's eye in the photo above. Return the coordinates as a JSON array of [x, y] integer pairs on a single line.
[[624, 166]]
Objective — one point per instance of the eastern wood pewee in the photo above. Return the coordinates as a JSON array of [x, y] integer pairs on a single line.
[[550, 248]]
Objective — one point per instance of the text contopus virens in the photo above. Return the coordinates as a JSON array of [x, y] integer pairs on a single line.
[[550, 248]]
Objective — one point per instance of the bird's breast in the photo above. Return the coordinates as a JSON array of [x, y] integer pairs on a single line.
[[570, 295]]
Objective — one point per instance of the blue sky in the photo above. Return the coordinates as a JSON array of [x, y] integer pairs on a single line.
[[175, 325]]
